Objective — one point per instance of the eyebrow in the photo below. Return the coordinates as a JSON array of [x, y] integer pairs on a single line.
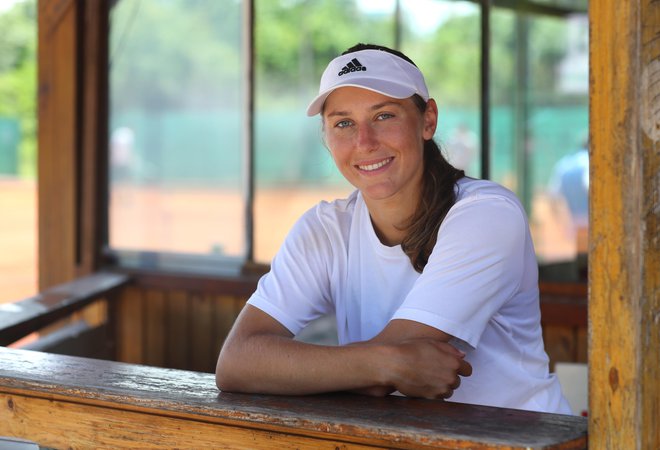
[[372, 108]]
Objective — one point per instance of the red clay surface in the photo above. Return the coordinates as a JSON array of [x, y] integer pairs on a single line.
[[18, 239], [199, 221]]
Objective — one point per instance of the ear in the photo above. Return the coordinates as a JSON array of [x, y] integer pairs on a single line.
[[430, 119]]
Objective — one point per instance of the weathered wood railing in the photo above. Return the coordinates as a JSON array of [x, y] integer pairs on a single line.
[[180, 321], [71, 402], [21, 318]]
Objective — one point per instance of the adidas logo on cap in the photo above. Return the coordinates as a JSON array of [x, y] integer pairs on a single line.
[[353, 66]]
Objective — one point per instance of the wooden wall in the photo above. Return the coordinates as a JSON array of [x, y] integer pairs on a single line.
[[175, 329], [180, 327], [184, 326], [564, 321], [565, 343]]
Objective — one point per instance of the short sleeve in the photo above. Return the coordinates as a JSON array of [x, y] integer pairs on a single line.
[[476, 265], [296, 290]]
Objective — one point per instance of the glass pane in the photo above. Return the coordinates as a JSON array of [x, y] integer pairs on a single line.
[[294, 43], [443, 38], [176, 168], [18, 150], [539, 131]]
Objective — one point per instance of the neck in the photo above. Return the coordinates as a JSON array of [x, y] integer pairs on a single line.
[[390, 219]]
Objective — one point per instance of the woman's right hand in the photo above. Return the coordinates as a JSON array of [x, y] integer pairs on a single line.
[[427, 368]]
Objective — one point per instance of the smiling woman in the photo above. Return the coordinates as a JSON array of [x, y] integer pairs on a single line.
[[428, 302], [367, 144]]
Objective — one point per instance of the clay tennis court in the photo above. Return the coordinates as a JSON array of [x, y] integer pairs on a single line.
[[194, 220], [18, 239], [189, 220]]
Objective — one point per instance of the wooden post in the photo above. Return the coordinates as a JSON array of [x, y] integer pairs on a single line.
[[72, 137], [58, 159], [624, 275]]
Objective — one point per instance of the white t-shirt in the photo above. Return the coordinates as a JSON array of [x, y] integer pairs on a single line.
[[480, 285]]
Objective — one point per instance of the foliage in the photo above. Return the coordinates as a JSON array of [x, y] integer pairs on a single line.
[[186, 54], [18, 37], [182, 53], [296, 39], [451, 57], [179, 53]]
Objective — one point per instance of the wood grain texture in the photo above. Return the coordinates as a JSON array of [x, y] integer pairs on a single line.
[[154, 328], [649, 97], [45, 398], [129, 328], [624, 290], [179, 328], [202, 347], [93, 131], [81, 426], [560, 344], [57, 115]]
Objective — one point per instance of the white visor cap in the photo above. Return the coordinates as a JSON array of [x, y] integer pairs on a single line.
[[376, 70]]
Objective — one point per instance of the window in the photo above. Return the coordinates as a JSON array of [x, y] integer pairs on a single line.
[[176, 106], [294, 42], [539, 128], [210, 166], [18, 150]]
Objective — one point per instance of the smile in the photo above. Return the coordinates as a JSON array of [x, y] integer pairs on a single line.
[[378, 165]]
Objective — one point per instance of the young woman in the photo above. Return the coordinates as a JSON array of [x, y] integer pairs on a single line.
[[432, 276]]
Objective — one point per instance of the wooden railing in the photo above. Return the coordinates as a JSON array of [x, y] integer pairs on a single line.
[[71, 402], [23, 317], [179, 321]]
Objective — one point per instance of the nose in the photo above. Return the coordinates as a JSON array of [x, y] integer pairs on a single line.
[[367, 139]]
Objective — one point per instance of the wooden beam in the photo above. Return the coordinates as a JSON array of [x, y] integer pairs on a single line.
[[72, 135], [93, 123], [624, 273], [57, 156], [69, 402]]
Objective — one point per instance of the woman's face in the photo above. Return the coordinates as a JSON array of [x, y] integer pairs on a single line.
[[377, 141]]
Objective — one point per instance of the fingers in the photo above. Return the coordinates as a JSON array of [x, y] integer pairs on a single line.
[[456, 384], [465, 369], [431, 369]]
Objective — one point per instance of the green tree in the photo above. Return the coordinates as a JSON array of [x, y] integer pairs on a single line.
[[451, 56], [18, 37], [295, 39], [175, 54]]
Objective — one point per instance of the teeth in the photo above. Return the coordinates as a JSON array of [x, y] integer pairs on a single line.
[[378, 165]]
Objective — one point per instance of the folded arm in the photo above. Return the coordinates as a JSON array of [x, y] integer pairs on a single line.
[[260, 356]]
